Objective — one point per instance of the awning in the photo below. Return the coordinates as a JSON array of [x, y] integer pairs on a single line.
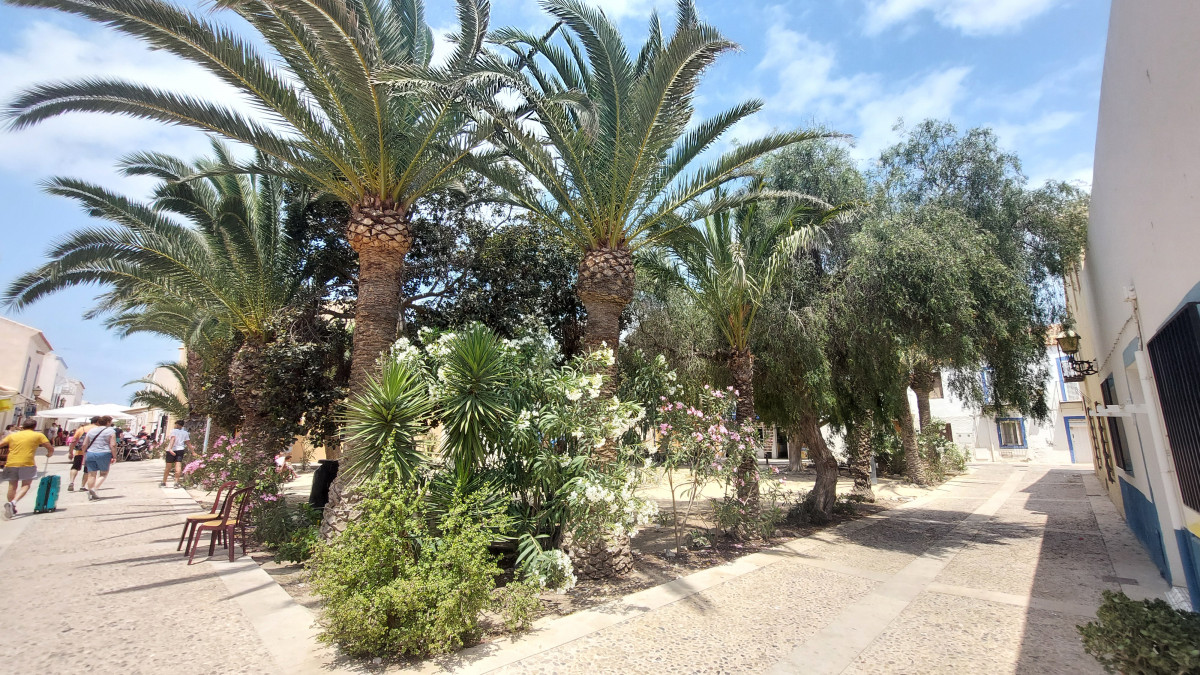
[[114, 410]]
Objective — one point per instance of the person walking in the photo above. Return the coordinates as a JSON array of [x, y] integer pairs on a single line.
[[75, 450], [20, 468], [176, 453], [100, 449]]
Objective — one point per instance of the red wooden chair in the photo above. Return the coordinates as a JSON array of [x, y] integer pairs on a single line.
[[229, 524], [194, 519]]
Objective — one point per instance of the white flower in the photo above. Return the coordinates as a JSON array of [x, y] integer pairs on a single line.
[[574, 395], [577, 434]]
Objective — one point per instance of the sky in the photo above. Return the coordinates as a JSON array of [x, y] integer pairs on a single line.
[[1029, 69]]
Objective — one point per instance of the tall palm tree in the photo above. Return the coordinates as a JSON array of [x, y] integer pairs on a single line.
[[618, 167], [172, 400], [728, 264], [231, 267], [326, 115]]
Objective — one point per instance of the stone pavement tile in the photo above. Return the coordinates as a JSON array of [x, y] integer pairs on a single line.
[[887, 546], [947, 634], [741, 626], [100, 589], [947, 510], [1054, 514]]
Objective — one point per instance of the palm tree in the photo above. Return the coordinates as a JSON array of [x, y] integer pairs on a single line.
[[328, 118], [155, 395], [232, 268], [728, 264], [617, 167]]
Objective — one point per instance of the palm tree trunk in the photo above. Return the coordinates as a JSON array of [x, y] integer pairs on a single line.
[[913, 463], [858, 449], [197, 398], [260, 440], [605, 287], [921, 382], [824, 493], [741, 368], [381, 236]]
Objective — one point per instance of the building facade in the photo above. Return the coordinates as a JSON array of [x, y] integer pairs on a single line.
[[1134, 297], [23, 354], [1062, 438]]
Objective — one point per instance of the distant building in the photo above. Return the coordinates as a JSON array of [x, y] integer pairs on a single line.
[[23, 352], [1136, 297], [1060, 439]]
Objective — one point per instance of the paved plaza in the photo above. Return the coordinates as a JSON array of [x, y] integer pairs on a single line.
[[989, 573]]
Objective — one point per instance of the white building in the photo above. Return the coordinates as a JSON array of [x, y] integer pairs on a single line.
[[1135, 297], [23, 350], [1060, 439]]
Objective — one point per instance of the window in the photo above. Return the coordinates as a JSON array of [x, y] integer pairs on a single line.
[[948, 432], [1116, 430], [936, 392], [1175, 357], [1068, 391], [985, 379], [1012, 432]]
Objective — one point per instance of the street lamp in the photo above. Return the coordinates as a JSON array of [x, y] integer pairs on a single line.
[[1068, 343], [37, 391]]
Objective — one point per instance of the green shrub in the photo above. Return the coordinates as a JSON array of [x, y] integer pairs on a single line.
[[518, 602], [942, 456], [400, 580], [290, 532], [1147, 637]]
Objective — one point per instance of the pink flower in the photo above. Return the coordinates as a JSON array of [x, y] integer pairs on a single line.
[[678, 405], [718, 394]]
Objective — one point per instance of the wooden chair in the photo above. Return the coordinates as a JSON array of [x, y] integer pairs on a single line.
[[194, 519], [228, 525]]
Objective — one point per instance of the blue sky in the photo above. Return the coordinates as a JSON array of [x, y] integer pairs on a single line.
[[1028, 68]]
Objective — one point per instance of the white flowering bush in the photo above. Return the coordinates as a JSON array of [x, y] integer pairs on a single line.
[[606, 504], [550, 570]]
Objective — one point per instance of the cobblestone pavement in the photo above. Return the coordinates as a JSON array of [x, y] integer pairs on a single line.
[[990, 573], [97, 587]]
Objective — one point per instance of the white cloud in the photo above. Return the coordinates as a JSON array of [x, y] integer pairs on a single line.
[[87, 146], [972, 17], [442, 46], [932, 96], [865, 104], [1035, 130], [1074, 169]]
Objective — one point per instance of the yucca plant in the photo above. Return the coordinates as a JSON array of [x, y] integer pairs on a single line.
[[385, 422], [155, 395], [473, 398], [327, 117], [619, 167]]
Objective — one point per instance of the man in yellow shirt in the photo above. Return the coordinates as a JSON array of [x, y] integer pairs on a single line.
[[22, 446]]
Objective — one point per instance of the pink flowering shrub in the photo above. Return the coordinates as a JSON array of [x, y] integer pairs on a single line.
[[701, 437], [228, 460]]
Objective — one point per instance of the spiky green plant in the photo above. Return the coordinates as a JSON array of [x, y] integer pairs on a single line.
[[473, 397], [385, 421], [621, 165]]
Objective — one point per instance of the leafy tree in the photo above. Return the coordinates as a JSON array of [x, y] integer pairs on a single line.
[[938, 297], [617, 166], [352, 107]]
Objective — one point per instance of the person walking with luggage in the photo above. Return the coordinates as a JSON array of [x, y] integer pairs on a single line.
[[100, 450], [176, 453], [20, 468]]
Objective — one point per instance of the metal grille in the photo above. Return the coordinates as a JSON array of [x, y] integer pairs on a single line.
[[1175, 357], [1116, 429]]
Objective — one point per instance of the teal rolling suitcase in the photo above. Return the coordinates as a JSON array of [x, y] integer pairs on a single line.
[[47, 493]]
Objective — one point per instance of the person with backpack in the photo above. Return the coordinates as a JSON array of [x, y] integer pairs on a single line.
[[20, 468], [75, 454], [100, 451]]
